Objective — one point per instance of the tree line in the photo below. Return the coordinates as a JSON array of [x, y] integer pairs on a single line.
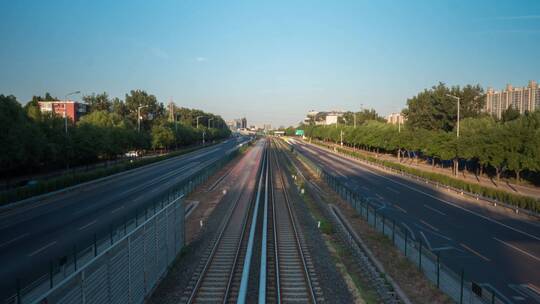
[[510, 146], [34, 141]]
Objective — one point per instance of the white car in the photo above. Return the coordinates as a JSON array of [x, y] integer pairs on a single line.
[[132, 154]]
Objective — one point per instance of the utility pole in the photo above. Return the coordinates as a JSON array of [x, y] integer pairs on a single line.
[[341, 138]]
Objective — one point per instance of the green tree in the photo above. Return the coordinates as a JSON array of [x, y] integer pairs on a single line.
[[162, 137], [510, 114], [152, 111], [21, 142], [433, 109], [98, 102], [119, 107]]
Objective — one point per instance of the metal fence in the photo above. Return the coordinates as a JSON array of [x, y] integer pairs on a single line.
[[455, 285], [493, 201], [128, 270], [126, 263]]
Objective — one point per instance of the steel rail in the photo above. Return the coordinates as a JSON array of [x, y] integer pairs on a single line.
[[215, 247], [295, 232]]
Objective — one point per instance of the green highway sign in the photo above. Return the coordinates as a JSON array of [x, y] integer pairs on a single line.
[[299, 132]]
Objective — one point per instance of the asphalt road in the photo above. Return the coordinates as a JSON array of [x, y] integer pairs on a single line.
[[495, 248], [32, 236]]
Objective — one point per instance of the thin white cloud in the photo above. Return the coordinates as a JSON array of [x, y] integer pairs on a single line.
[[159, 53], [201, 59]]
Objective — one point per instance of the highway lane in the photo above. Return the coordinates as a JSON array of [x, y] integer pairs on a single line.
[[496, 250], [31, 236]]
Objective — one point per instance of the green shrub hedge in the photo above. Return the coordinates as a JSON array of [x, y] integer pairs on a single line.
[[61, 182]]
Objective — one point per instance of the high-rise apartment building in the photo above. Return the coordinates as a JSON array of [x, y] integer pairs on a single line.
[[522, 99], [395, 118]]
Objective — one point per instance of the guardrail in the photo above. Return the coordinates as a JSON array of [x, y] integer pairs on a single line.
[[469, 194], [125, 264], [455, 285]]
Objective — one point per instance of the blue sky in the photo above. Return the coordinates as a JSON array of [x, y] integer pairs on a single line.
[[271, 61]]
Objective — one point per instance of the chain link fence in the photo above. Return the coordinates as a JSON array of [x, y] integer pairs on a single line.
[[125, 264], [453, 284]]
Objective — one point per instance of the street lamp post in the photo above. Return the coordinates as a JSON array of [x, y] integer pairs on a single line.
[[198, 120], [209, 120], [139, 117], [65, 108]]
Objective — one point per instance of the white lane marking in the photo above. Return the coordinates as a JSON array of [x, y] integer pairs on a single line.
[[425, 239], [379, 196], [117, 209], [411, 233], [42, 248], [14, 239], [392, 189], [518, 249], [435, 210], [462, 208], [499, 294], [474, 252], [360, 166], [445, 248], [88, 225], [398, 207], [435, 233], [429, 225]]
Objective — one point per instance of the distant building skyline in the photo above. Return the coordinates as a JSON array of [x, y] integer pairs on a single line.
[[395, 118], [232, 58], [521, 99]]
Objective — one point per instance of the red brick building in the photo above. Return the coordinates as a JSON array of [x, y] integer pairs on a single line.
[[74, 110]]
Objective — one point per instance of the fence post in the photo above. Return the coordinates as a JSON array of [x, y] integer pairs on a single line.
[[461, 290], [51, 275], [95, 245], [75, 257], [406, 237], [382, 224], [394, 232], [111, 234], [18, 286], [375, 218], [420, 255], [367, 213], [438, 269]]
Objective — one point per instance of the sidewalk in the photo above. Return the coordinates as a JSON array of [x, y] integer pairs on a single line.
[[530, 191]]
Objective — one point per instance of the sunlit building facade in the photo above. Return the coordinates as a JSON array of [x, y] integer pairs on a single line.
[[522, 99]]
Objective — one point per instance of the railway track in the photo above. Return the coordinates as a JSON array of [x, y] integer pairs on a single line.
[[218, 276], [286, 273], [290, 275]]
